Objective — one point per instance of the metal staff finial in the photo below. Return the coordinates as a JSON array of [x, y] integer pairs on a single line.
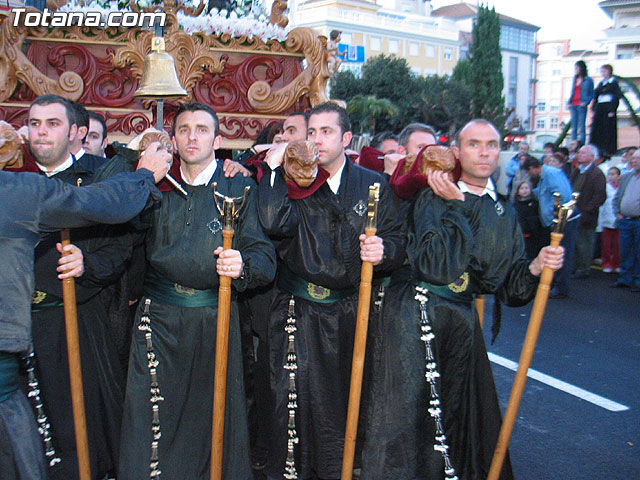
[[228, 210], [563, 212], [556, 203], [372, 210]]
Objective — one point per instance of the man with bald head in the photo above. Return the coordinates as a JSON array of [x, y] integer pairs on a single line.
[[463, 240]]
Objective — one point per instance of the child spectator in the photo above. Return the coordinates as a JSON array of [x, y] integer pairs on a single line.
[[527, 207], [607, 224]]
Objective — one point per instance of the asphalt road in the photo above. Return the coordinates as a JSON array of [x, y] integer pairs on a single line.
[[579, 417], [591, 341]]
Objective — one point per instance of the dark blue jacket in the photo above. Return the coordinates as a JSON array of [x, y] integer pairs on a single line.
[[32, 203]]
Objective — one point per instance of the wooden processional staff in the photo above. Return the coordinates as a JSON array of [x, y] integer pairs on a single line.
[[75, 368], [562, 214], [360, 342], [229, 212]]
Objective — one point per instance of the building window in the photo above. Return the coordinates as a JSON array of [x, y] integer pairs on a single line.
[[416, 70], [554, 108], [512, 94], [514, 38], [553, 122], [394, 46], [413, 49], [542, 106], [430, 51], [375, 43], [624, 54], [448, 53], [556, 72], [541, 124]]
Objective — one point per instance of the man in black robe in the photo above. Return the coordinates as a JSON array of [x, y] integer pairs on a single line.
[[99, 255], [32, 204], [462, 240], [77, 146], [312, 323], [168, 404]]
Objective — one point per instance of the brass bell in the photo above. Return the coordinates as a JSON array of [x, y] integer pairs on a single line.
[[159, 77]]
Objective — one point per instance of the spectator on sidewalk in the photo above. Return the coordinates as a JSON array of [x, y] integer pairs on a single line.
[[514, 165], [550, 180], [527, 208], [590, 183], [625, 166], [626, 206], [607, 225]]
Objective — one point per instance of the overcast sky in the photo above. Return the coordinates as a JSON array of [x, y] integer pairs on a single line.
[[581, 21]]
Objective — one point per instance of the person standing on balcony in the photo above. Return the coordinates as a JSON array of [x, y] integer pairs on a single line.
[[581, 96], [604, 127]]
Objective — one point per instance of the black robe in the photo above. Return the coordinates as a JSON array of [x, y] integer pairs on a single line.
[[184, 232], [319, 244], [604, 128], [446, 238], [535, 236], [32, 204], [106, 250]]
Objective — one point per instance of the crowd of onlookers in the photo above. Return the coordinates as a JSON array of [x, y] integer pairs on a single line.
[[531, 183], [599, 233]]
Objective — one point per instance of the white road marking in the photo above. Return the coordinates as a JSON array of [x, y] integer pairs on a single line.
[[560, 385]]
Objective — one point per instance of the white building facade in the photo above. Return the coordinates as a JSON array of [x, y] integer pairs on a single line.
[[619, 48]]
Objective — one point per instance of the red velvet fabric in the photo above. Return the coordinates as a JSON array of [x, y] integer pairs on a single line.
[[407, 186], [372, 159]]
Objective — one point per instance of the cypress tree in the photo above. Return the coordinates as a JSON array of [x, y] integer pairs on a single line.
[[486, 66]]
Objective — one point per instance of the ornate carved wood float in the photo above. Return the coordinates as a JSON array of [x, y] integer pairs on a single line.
[[249, 82]]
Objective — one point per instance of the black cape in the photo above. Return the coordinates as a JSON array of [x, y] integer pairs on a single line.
[[184, 232], [32, 204], [106, 250], [318, 242], [446, 238], [604, 128]]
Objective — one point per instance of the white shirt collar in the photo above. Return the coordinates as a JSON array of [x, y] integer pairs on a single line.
[[204, 177], [80, 153], [489, 189], [334, 182], [60, 168]]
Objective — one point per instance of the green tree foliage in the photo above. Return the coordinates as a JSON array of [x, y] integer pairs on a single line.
[[368, 108], [486, 67], [383, 76], [462, 72], [634, 89], [446, 103], [443, 102], [344, 85]]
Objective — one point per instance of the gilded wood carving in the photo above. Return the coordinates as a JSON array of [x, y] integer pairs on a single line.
[[259, 80], [312, 81], [15, 66]]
